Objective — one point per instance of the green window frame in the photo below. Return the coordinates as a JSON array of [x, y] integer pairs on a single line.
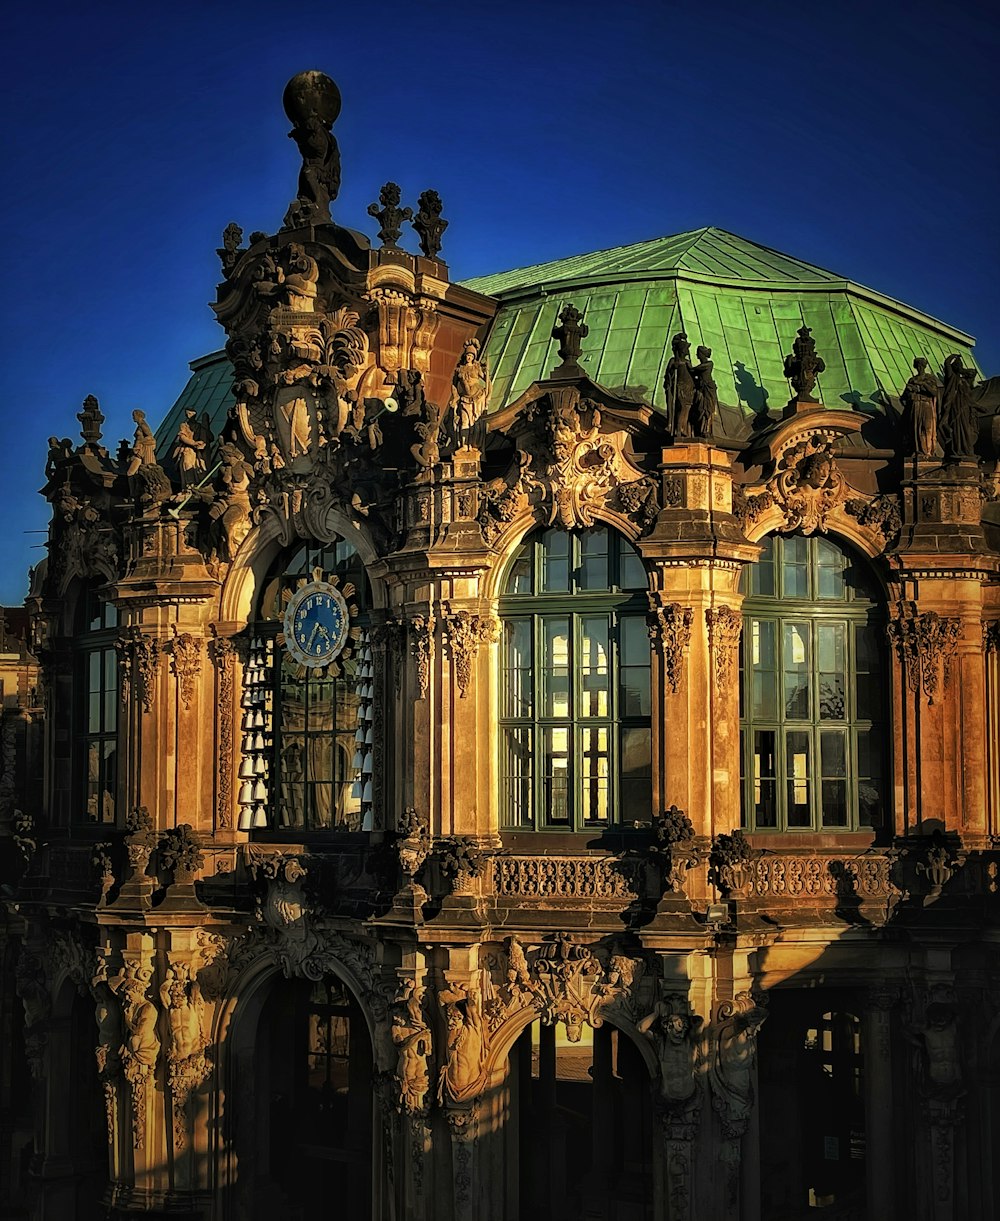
[[308, 750], [97, 738], [575, 726], [813, 690]]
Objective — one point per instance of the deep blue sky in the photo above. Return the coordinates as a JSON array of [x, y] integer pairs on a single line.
[[858, 136]]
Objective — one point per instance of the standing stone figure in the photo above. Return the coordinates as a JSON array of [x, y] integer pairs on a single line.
[[920, 399], [189, 450], [469, 394], [957, 422], [312, 102], [706, 394], [679, 386], [464, 1072], [143, 444], [673, 1030], [803, 366]]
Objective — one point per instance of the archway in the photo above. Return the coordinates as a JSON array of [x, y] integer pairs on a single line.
[[581, 1125]]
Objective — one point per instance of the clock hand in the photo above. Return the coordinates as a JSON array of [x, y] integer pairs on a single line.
[[312, 635]]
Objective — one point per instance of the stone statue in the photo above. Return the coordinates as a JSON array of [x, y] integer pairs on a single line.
[[470, 393], [958, 423], [230, 509], [920, 399], [143, 445], [570, 333], [312, 103], [189, 450], [141, 1047], [732, 1067], [463, 1074], [390, 216], [60, 451], [674, 1031], [803, 366], [412, 1038], [180, 996], [678, 383], [300, 278], [706, 395], [938, 1040], [429, 223]]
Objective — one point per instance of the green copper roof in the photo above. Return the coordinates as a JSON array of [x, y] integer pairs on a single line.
[[742, 300], [209, 389]]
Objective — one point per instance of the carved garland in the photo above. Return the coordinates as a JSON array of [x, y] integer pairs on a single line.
[[926, 643], [223, 653], [147, 657], [464, 632], [725, 626], [670, 632], [185, 651], [422, 647]]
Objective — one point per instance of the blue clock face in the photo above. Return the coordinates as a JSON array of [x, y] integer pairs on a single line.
[[317, 622]]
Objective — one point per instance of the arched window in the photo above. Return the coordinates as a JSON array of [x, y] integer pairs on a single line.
[[813, 690], [574, 701], [97, 709], [307, 728]]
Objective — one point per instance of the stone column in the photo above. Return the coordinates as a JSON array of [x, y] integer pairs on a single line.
[[879, 1119]]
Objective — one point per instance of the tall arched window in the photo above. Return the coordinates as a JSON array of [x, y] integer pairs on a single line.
[[307, 729], [574, 712], [97, 708], [813, 690]]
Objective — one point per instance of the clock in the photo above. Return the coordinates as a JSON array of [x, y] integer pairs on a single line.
[[317, 624]]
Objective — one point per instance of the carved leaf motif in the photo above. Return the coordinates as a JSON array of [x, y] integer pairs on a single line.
[[925, 643], [725, 625], [670, 632], [185, 650]]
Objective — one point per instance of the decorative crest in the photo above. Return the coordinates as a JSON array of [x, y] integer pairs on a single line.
[[390, 216], [571, 333], [803, 366], [429, 223]]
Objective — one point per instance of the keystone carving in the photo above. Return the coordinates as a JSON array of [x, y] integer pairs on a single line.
[[575, 470], [807, 485], [926, 643], [670, 632], [725, 625]]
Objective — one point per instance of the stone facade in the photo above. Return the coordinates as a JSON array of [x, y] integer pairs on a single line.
[[199, 965]]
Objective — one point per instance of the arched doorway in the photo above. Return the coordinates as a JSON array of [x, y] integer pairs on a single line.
[[314, 1102], [582, 1115]]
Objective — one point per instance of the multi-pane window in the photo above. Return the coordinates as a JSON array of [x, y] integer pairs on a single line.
[[97, 677], [315, 723], [813, 690], [575, 697]]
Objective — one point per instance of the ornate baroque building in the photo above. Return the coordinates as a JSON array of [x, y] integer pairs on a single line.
[[500, 765]]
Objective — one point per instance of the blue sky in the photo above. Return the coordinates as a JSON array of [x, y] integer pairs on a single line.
[[856, 136]]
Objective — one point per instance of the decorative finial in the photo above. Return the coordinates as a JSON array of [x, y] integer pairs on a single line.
[[429, 223], [570, 334], [230, 251], [390, 216], [803, 366], [91, 418], [312, 103]]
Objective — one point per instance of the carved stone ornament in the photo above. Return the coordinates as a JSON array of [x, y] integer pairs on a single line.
[[640, 500], [187, 1064], [464, 632], [467, 1043], [429, 223], [146, 655], [575, 468], [725, 626], [674, 1031], [803, 365], [312, 102], [807, 485], [421, 632], [749, 507], [732, 1061], [881, 514], [731, 862], [141, 1048], [185, 652], [223, 654], [110, 1039], [390, 216], [674, 847], [412, 1039], [33, 989], [926, 643], [566, 877], [670, 633]]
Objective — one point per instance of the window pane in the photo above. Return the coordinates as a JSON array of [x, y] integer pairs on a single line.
[[109, 779], [515, 777], [764, 778], [631, 572], [762, 573], [870, 800], [595, 769], [797, 776], [633, 696], [517, 668], [868, 696], [555, 561], [595, 696], [555, 775], [830, 564], [94, 671], [831, 648], [93, 781], [796, 663], [555, 667], [519, 579], [94, 712], [594, 559], [833, 769], [795, 566], [764, 704], [636, 771]]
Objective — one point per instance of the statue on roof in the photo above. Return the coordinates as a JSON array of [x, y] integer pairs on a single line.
[[189, 449], [312, 102], [143, 445], [678, 383], [920, 402], [429, 223], [470, 392], [570, 333], [706, 394], [958, 423], [803, 365], [390, 216]]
